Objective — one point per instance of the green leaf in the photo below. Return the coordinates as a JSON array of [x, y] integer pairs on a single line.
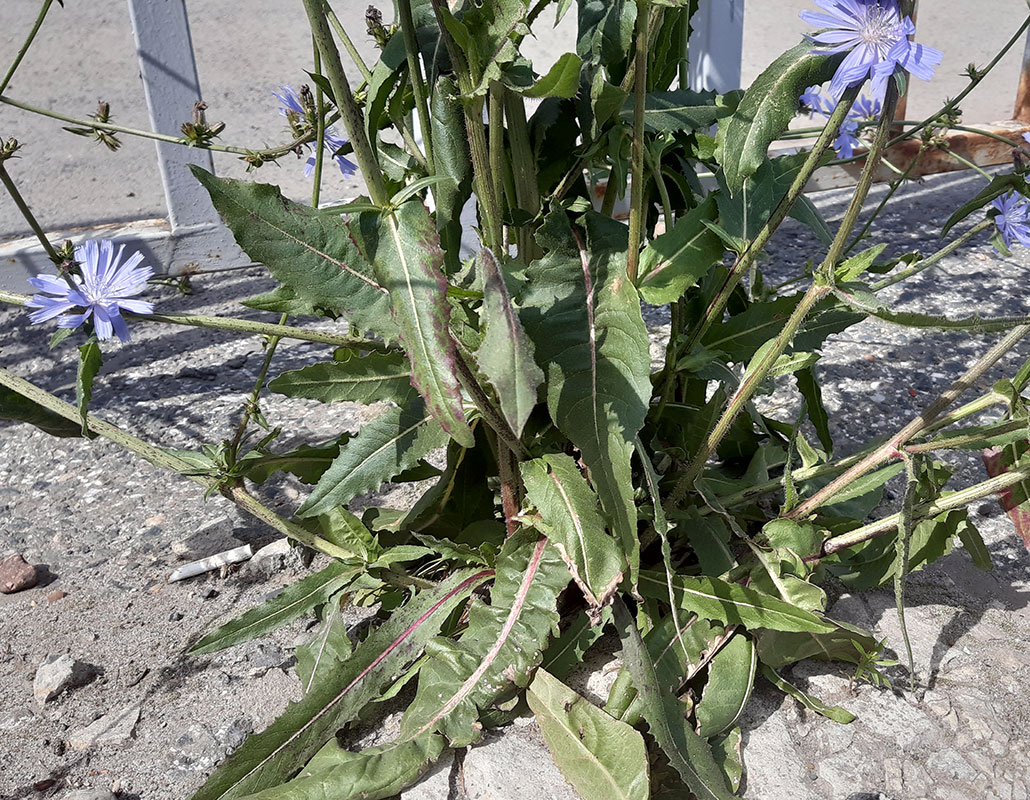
[[566, 652], [388, 445], [328, 648], [570, 519], [974, 544], [687, 752], [584, 317], [19, 408], [506, 355], [307, 462], [679, 110], [345, 530], [767, 109], [501, 646], [600, 756], [294, 602], [731, 603], [780, 648], [676, 260], [726, 751], [374, 773], [359, 379], [562, 80], [852, 268], [453, 163], [408, 261], [869, 482], [270, 757], [605, 30], [731, 677], [836, 713], [999, 185], [90, 361], [810, 390], [311, 254]]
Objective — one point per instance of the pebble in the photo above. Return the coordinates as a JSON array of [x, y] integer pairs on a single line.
[[16, 575], [277, 557], [56, 595], [58, 674], [111, 729], [88, 794]]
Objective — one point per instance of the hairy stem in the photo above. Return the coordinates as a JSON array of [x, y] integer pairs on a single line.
[[925, 511], [350, 114], [418, 84], [916, 426], [268, 153]]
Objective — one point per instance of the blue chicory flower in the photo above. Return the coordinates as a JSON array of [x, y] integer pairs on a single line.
[[865, 109], [1013, 218], [105, 289], [292, 106], [875, 36]]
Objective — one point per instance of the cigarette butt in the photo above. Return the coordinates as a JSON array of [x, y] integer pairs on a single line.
[[233, 556]]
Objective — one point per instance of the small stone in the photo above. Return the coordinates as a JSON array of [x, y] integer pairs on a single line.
[[88, 794], [279, 556], [111, 729], [15, 718], [16, 575], [210, 538], [210, 594], [57, 674], [175, 616], [56, 595]]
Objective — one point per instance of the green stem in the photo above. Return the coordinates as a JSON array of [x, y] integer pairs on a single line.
[[270, 153], [758, 372], [350, 114], [271, 343], [636, 201], [25, 45], [527, 193], [891, 447], [928, 262], [489, 203], [744, 262], [352, 51], [966, 440], [236, 325], [319, 135], [30, 218], [495, 144], [967, 163], [418, 84], [663, 190], [886, 199], [160, 458]]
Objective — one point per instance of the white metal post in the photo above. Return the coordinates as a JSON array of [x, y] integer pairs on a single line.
[[717, 45], [170, 83]]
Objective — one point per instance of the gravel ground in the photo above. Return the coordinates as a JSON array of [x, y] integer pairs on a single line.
[[104, 523]]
